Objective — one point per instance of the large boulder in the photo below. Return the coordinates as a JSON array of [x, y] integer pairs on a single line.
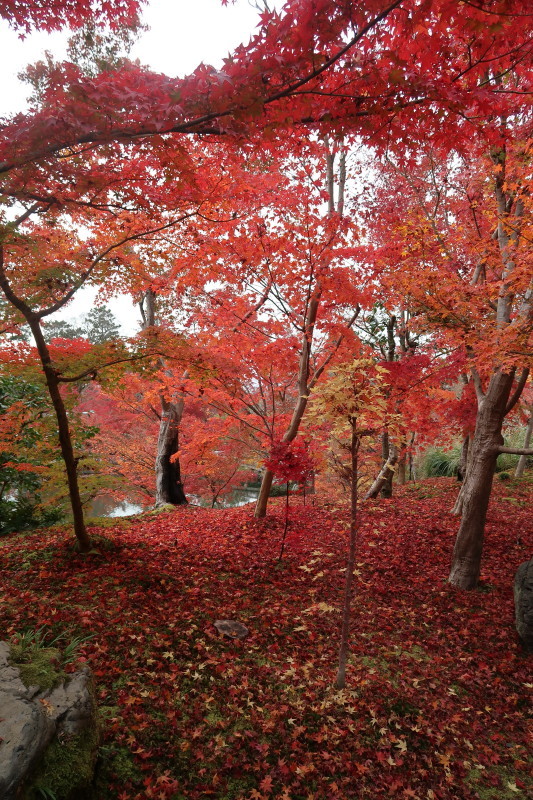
[[523, 599], [39, 726]]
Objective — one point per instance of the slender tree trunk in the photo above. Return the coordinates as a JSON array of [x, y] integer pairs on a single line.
[[476, 488], [401, 475], [305, 385], [286, 525], [340, 682], [386, 474], [467, 457], [65, 440], [463, 463], [264, 494], [53, 383], [521, 466], [386, 488]]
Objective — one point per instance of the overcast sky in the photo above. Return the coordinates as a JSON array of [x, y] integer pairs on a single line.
[[182, 34]]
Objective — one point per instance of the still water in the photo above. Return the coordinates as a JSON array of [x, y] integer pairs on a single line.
[[109, 507]]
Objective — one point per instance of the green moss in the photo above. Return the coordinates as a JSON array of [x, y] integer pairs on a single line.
[[508, 788], [66, 771], [239, 787], [38, 666], [214, 717], [416, 652], [122, 767]]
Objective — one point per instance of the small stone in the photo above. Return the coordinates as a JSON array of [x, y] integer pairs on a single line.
[[231, 628], [523, 598]]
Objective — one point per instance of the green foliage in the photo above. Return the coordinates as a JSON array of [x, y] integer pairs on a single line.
[[40, 659], [23, 405], [504, 476], [514, 437], [60, 329], [22, 514], [441, 463], [100, 325]]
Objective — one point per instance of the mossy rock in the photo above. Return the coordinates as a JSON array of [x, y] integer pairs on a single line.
[[163, 509], [66, 771], [38, 666]]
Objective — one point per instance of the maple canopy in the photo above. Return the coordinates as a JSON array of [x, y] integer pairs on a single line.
[[49, 15], [397, 72], [208, 192]]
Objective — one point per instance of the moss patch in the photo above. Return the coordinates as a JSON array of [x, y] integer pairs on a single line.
[[66, 771], [38, 666], [477, 779], [116, 763]]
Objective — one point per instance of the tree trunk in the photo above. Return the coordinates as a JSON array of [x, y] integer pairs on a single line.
[[386, 488], [53, 383], [340, 682], [476, 488], [264, 494], [463, 463], [286, 525], [467, 457], [65, 440], [401, 476], [168, 484], [520, 467], [169, 488], [386, 473]]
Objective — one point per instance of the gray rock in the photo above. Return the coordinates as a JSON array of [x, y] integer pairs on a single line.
[[231, 628], [523, 599], [30, 719], [71, 704]]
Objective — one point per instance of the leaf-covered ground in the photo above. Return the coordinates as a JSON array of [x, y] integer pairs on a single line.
[[438, 689]]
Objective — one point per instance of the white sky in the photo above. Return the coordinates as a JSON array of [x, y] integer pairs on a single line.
[[182, 34]]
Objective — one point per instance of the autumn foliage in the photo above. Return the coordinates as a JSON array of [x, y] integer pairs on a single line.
[[437, 690]]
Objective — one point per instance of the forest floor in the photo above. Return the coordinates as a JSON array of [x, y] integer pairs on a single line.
[[438, 688]]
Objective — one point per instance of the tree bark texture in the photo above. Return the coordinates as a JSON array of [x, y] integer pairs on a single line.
[[168, 483], [264, 494], [386, 488], [401, 476], [169, 487], [477, 485], [386, 473]]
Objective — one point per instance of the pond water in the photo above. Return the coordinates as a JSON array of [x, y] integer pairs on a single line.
[[110, 507]]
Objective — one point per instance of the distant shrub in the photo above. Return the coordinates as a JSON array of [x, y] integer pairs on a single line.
[[21, 514], [441, 463], [504, 476]]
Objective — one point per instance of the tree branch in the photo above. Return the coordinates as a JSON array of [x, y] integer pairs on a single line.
[[515, 451], [515, 397]]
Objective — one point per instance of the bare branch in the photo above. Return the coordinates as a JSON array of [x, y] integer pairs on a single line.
[[515, 397]]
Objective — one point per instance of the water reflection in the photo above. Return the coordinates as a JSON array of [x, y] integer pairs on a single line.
[[109, 507]]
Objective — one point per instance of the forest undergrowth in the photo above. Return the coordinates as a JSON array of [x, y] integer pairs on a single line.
[[438, 687]]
